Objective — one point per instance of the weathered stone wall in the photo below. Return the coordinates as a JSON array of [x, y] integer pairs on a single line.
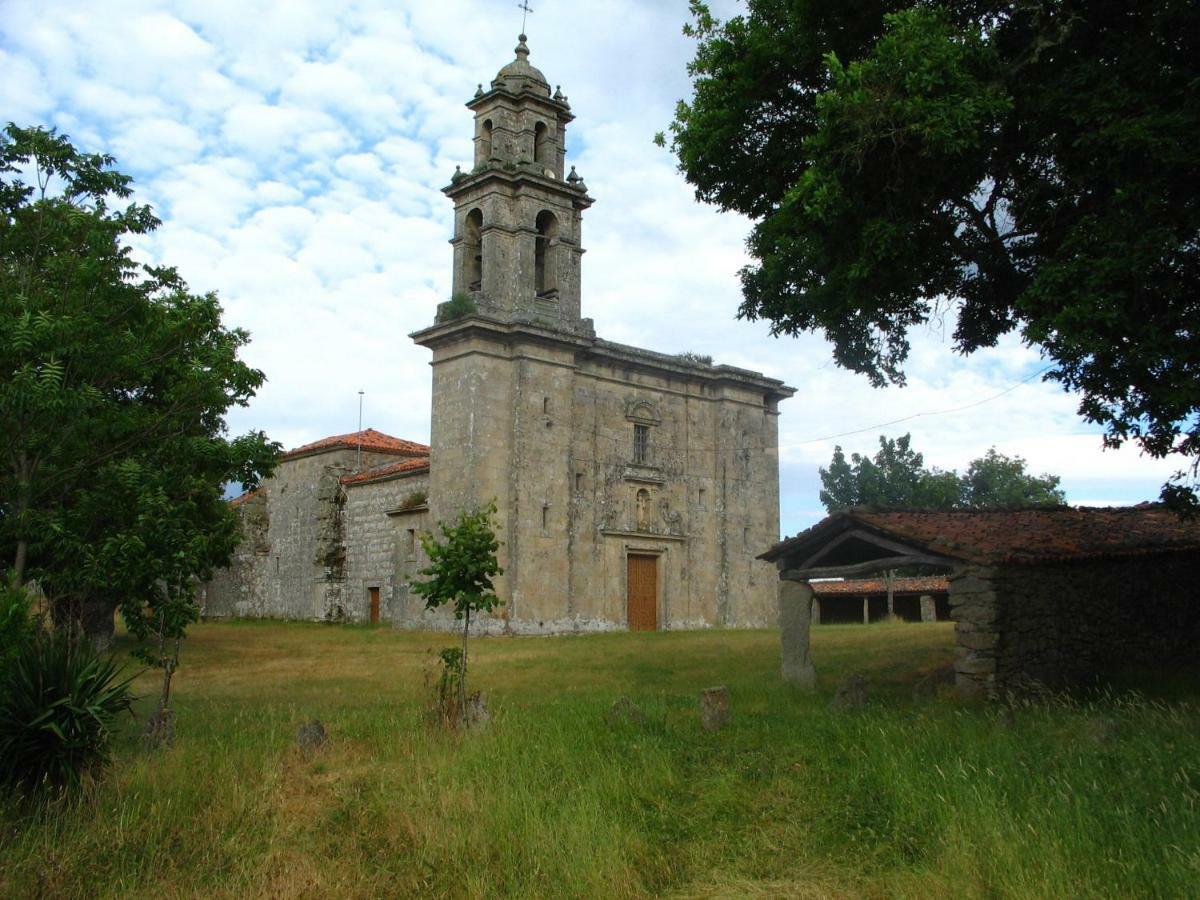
[[1060, 623], [382, 519], [544, 423], [291, 563]]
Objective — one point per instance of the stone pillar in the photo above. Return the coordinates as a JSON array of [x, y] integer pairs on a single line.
[[928, 609], [795, 620], [866, 610], [816, 611], [973, 607]]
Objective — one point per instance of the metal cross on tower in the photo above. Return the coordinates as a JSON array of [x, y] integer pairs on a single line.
[[526, 10]]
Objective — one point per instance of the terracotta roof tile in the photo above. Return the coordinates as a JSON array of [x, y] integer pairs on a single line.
[[1045, 534], [387, 471], [249, 495], [369, 439], [925, 584]]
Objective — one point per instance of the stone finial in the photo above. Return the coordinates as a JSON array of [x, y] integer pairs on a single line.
[[558, 94], [479, 90], [458, 174], [573, 178], [522, 49]]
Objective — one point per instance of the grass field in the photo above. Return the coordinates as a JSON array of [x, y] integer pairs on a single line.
[[1080, 798]]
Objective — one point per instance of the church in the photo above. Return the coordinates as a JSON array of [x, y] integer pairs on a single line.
[[634, 489]]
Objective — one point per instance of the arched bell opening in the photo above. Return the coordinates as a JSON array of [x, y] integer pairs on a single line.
[[473, 251], [545, 279]]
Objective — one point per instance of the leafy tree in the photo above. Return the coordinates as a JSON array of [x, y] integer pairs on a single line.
[[114, 384], [1016, 165], [998, 480], [460, 572], [897, 479]]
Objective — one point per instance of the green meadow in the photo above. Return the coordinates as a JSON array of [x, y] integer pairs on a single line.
[[1092, 796]]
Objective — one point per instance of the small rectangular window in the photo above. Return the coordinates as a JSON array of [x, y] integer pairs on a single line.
[[410, 542], [546, 405], [545, 516], [700, 498], [641, 444], [578, 481]]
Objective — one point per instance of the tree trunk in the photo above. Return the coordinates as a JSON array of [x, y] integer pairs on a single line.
[[462, 682], [19, 565]]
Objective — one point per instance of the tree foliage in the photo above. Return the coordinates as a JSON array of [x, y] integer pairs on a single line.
[[896, 478], [114, 384], [462, 566], [1012, 165]]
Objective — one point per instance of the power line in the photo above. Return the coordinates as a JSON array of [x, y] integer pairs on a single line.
[[936, 412]]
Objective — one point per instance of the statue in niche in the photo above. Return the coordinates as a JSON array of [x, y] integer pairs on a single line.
[[643, 510]]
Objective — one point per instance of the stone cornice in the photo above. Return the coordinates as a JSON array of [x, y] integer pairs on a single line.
[[597, 349], [515, 177]]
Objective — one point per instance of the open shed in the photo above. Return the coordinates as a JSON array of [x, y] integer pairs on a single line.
[[1055, 594], [924, 598]]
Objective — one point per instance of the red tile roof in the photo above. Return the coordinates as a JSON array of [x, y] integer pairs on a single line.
[[1046, 534], [369, 439], [925, 584], [389, 470], [249, 495]]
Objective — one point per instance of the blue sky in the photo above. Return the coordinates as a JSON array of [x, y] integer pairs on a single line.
[[296, 151]]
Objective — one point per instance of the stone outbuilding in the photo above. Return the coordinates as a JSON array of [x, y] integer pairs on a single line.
[[633, 488], [1052, 594], [322, 535]]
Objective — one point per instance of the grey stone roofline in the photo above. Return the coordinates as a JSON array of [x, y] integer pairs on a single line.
[[525, 171], [554, 107], [597, 348], [290, 455]]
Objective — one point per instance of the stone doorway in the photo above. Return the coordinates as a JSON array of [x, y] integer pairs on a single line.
[[373, 593], [642, 593]]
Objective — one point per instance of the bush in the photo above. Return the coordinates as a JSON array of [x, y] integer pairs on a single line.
[[57, 713], [458, 306]]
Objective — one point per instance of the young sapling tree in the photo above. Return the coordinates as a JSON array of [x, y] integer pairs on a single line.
[[462, 564]]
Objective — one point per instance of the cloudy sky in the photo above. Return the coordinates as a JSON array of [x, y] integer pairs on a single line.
[[295, 152]]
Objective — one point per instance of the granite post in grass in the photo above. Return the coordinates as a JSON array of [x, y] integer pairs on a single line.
[[795, 623], [714, 708]]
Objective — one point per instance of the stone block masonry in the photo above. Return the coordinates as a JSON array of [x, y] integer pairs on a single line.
[[1066, 622]]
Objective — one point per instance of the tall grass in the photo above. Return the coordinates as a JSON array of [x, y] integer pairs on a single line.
[[1061, 798]]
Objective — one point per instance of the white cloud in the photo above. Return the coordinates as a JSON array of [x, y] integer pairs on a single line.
[[296, 153]]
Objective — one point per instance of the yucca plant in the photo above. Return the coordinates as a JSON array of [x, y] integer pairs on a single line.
[[57, 713]]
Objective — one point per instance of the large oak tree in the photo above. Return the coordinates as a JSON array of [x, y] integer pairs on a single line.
[[1014, 166]]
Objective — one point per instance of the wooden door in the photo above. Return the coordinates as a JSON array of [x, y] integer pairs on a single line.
[[642, 591], [374, 592]]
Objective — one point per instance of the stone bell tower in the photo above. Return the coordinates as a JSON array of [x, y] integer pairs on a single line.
[[632, 488], [517, 216]]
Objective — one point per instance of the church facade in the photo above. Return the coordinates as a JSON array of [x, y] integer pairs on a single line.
[[633, 489]]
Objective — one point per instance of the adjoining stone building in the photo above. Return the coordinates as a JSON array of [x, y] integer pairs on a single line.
[[1053, 594], [632, 487]]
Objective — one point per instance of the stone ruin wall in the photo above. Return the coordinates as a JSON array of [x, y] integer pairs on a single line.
[[1059, 624], [378, 517], [291, 563]]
